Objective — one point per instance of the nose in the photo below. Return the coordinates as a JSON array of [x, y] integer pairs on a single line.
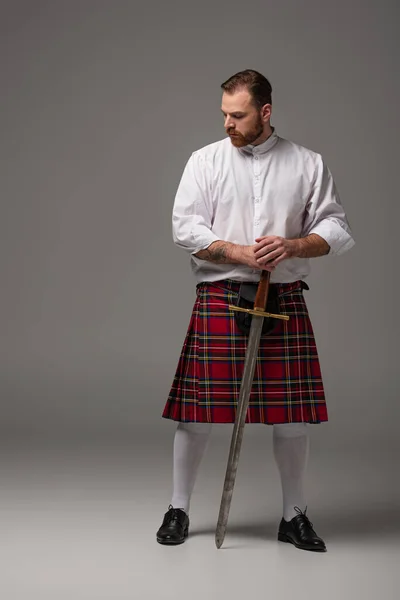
[[228, 123]]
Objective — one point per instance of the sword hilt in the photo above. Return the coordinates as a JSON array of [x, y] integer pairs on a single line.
[[262, 291], [261, 300]]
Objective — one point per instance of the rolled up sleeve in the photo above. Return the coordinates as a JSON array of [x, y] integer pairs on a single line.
[[325, 215], [192, 213]]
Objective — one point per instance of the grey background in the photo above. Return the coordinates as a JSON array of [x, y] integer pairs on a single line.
[[101, 105]]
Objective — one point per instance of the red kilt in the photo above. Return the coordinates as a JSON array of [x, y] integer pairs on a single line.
[[287, 385]]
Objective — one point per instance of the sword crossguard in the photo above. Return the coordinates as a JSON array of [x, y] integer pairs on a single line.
[[259, 313]]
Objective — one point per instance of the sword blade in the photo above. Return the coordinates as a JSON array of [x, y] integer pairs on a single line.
[[238, 430]]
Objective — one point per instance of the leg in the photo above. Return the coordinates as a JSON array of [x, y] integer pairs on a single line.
[[291, 450], [189, 446], [190, 443]]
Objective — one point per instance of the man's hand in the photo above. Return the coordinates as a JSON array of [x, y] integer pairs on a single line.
[[250, 260], [270, 250]]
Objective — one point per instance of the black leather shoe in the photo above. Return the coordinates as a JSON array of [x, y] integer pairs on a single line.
[[175, 527], [299, 532]]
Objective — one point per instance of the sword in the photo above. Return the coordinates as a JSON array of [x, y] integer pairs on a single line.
[[253, 344]]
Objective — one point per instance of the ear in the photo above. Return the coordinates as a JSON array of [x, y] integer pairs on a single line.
[[266, 112]]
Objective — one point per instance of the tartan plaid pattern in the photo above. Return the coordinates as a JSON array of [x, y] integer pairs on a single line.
[[287, 383]]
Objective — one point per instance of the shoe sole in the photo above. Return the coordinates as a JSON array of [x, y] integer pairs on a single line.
[[282, 537], [173, 542]]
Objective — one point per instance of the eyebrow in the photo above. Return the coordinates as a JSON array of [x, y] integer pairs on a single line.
[[235, 112]]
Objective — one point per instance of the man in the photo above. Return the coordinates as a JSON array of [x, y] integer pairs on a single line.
[[250, 202]]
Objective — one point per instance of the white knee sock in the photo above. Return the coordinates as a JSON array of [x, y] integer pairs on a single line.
[[291, 449], [189, 446]]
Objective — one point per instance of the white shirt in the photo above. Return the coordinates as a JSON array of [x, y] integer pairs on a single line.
[[239, 194]]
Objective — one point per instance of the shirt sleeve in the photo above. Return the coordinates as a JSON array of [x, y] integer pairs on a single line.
[[192, 213], [324, 212]]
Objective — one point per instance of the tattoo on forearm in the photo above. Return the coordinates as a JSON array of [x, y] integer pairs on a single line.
[[216, 255]]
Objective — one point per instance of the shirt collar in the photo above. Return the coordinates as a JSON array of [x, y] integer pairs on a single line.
[[261, 148]]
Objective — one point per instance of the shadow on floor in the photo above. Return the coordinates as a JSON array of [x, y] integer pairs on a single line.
[[349, 524]]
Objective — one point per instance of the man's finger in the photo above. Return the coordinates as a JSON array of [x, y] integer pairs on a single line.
[[278, 260], [265, 241], [265, 237], [261, 245], [268, 256], [265, 249]]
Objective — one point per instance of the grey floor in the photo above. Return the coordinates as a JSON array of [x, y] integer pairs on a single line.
[[78, 521]]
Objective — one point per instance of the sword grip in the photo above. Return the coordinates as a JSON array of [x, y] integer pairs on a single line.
[[262, 291]]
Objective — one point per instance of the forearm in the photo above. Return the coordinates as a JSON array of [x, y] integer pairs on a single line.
[[310, 246], [221, 252]]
